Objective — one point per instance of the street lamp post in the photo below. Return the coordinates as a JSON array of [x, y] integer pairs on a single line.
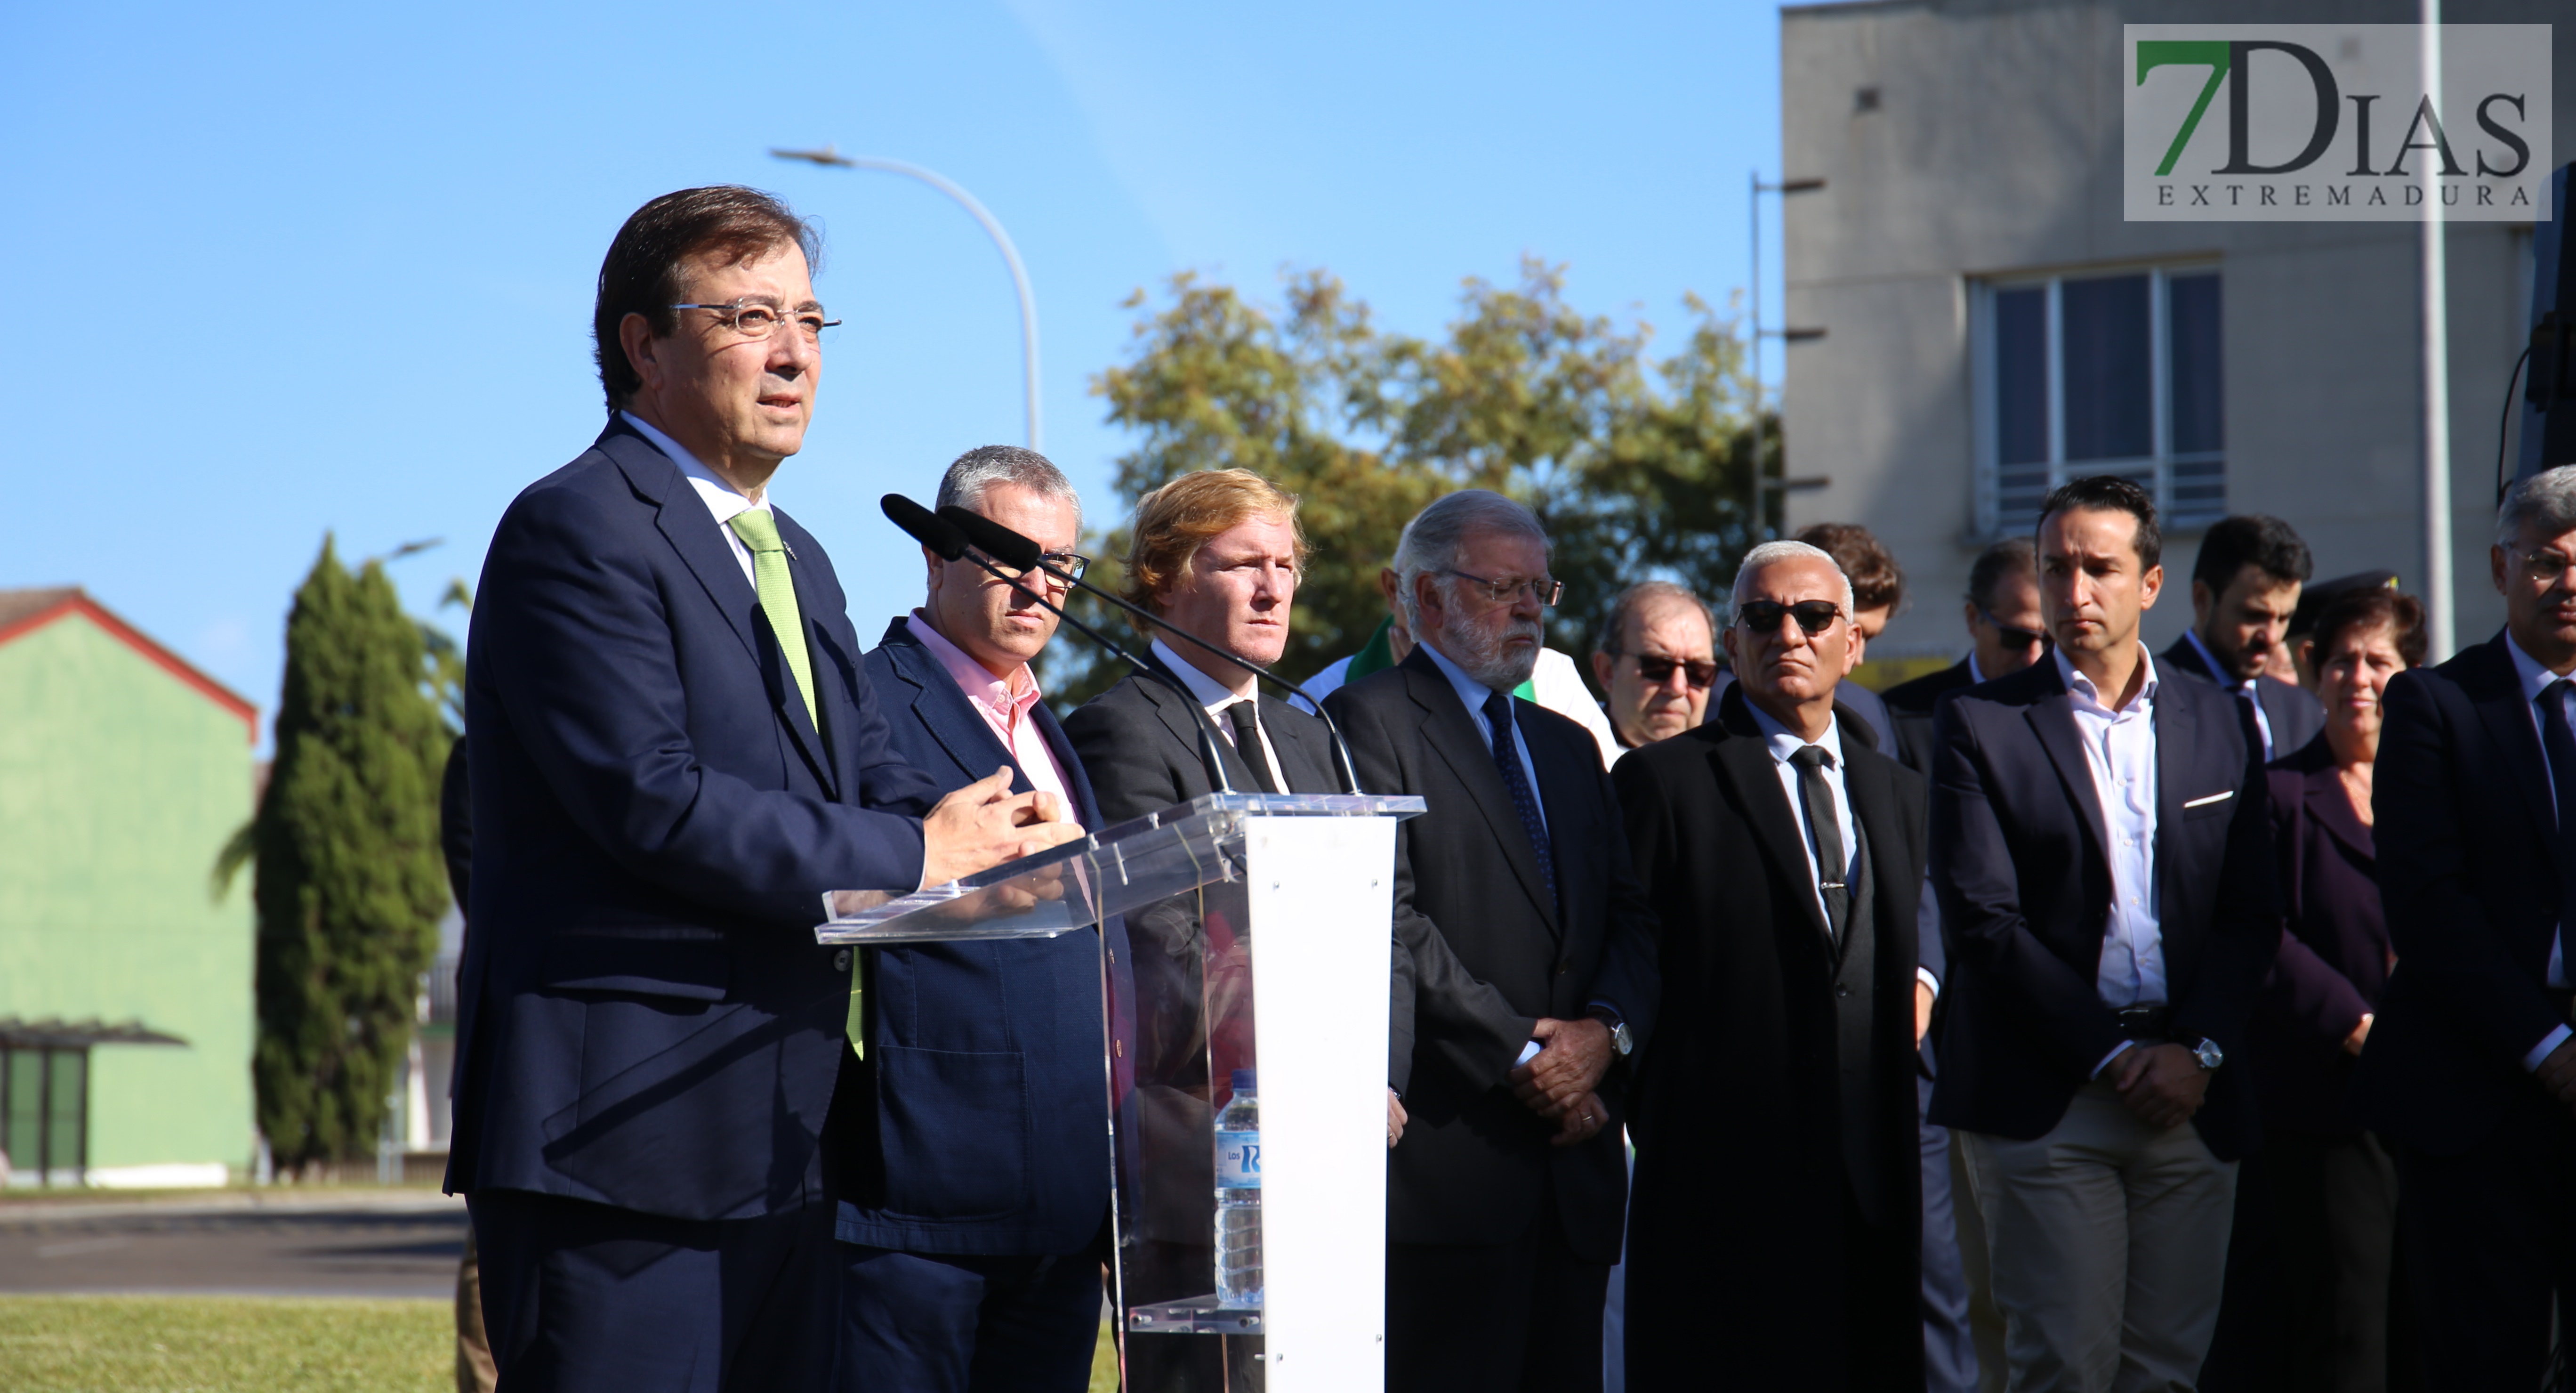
[[834, 159]]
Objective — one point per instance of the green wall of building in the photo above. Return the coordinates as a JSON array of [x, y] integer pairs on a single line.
[[119, 784]]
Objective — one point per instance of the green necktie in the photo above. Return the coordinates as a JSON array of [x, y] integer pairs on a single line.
[[759, 531]]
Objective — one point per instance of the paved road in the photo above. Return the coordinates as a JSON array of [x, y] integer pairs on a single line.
[[304, 1245]]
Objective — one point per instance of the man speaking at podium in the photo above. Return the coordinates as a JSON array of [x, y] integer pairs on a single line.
[[965, 1144], [675, 754], [1532, 950]]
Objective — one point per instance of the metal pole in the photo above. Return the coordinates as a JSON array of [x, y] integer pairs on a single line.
[[992, 227], [2437, 372]]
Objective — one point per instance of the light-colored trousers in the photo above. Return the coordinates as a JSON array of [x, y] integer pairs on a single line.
[[2107, 1240]]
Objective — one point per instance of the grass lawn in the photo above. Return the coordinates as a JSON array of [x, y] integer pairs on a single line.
[[177, 1344], [184, 1344]]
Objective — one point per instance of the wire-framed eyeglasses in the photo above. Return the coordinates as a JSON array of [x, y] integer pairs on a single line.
[[1070, 563], [760, 316], [1545, 589]]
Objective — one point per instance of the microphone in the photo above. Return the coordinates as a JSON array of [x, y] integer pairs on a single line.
[[948, 543], [1019, 552], [925, 527]]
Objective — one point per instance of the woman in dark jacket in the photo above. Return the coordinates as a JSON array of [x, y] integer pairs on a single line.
[[2311, 1265]]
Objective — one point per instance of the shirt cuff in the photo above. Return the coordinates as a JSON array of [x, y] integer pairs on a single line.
[[2548, 1044], [2114, 1054], [1924, 976]]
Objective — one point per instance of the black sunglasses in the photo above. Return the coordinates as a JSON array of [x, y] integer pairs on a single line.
[[1658, 671], [1764, 616], [2012, 637]]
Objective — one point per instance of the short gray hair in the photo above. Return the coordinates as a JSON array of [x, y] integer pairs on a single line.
[[1432, 541], [2547, 498], [1770, 553], [1613, 638], [986, 465]]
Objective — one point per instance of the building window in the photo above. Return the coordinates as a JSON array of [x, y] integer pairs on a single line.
[[44, 1114], [2100, 374]]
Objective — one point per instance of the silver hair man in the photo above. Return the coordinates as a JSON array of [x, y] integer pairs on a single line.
[[1431, 546], [1770, 553], [2546, 500], [986, 465]]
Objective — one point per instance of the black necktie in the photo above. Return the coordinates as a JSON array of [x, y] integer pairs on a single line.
[[1507, 761], [1247, 743], [2560, 746], [1832, 863]]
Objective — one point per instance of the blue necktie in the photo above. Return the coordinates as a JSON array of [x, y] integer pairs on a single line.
[[2560, 746], [1507, 761]]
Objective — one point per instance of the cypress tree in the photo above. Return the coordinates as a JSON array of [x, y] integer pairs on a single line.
[[349, 881]]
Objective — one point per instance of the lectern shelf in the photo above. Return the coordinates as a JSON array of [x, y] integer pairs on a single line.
[[1257, 933]]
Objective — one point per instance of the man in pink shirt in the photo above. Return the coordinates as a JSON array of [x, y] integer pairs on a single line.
[[973, 1187]]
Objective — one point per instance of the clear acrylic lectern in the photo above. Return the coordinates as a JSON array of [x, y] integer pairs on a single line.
[[1248, 944]]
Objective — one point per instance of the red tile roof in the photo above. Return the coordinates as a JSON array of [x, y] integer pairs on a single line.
[[22, 612]]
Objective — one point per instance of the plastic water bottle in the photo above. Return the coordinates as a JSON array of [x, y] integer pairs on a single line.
[[1238, 1196]]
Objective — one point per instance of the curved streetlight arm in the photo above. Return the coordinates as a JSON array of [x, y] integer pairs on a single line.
[[992, 227]]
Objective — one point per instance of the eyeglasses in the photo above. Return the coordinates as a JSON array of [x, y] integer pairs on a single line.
[[1072, 564], [2012, 637], [2545, 564], [1507, 590], [758, 317], [1658, 671], [1764, 616]]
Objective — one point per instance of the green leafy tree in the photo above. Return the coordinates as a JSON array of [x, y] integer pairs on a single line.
[[1639, 469], [349, 884]]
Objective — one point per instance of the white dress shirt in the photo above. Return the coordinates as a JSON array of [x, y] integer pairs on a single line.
[[1783, 743], [2535, 680], [1005, 711], [1473, 695], [719, 496], [2246, 689], [1216, 698], [2120, 752]]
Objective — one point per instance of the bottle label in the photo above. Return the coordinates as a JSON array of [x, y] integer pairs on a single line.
[[1238, 1160]]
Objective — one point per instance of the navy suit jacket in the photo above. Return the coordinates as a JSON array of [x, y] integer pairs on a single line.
[[2019, 864], [2470, 885], [979, 1121], [646, 1020], [2295, 716], [2333, 960]]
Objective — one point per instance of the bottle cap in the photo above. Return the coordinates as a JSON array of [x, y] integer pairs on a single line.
[[1243, 1081]]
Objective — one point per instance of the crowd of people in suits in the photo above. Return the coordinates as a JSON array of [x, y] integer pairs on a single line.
[[2076, 1017]]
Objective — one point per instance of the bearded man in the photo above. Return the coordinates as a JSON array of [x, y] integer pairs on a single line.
[[1533, 953]]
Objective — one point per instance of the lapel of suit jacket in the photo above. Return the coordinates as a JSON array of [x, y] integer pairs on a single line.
[[1181, 715], [1085, 804], [2322, 791], [2052, 719], [1451, 734], [2489, 681], [2179, 772], [1306, 768], [1744, 764], [943, 710], [685, 523]]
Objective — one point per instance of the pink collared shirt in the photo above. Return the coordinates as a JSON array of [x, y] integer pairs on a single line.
[[1005, 711]]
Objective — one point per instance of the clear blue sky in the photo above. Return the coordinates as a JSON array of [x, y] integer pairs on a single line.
[[285, 270]]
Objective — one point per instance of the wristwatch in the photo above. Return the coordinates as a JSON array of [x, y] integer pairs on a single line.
[[2209, 1054], [1620, 1039]]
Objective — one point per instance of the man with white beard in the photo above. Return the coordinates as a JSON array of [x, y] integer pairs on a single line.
[[1534, 970]]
